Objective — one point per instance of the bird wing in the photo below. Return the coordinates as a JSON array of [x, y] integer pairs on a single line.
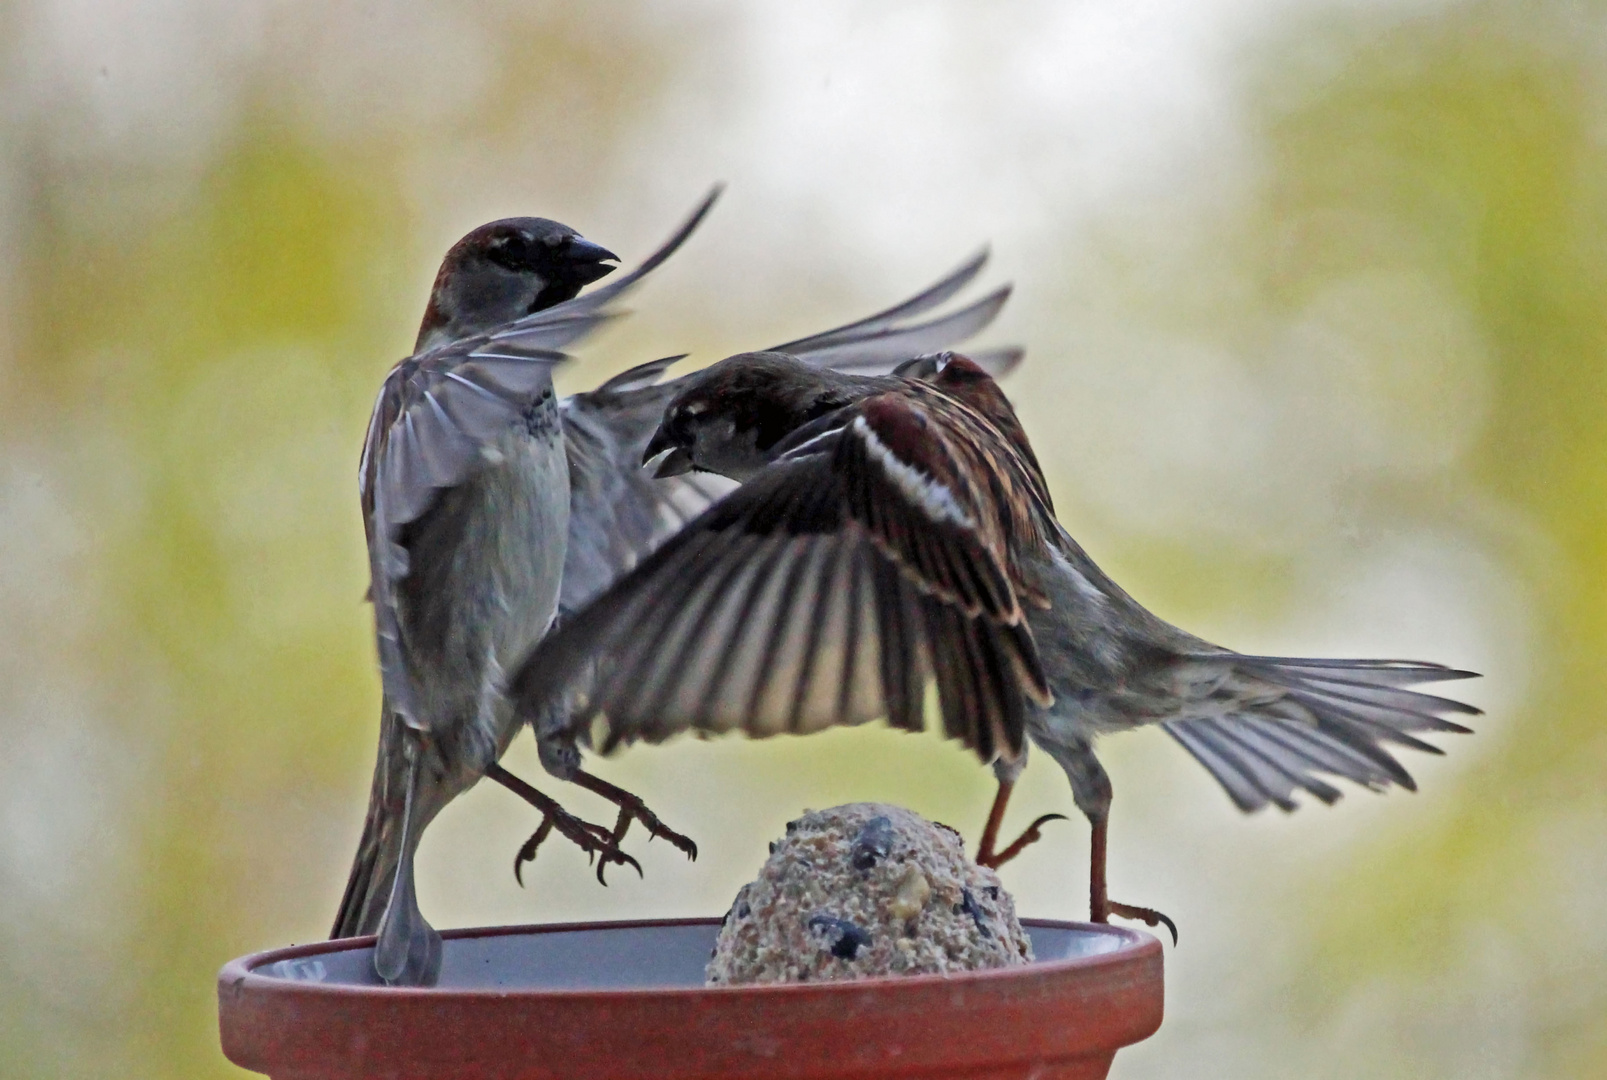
[[877, 343], [864, 564], [1266, 726], [439, 413], [970, 382], [619, 513]]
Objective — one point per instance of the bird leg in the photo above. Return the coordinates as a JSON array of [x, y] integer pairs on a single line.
[[631, 808], [1101, 907], [985, 855], [594, 840]]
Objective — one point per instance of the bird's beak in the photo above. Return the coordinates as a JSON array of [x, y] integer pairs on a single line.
[[676, 462], [589, 260], [659, 443]]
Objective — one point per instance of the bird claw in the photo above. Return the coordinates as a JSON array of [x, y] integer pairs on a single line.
[[613, 854], [1147, 916], [596, 841], [632, 808], [527, 851], [601, 845], [636, 810], [1030, 835]]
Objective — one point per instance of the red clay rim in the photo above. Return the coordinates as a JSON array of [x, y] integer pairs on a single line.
[[1070, 1015], [242, 970]]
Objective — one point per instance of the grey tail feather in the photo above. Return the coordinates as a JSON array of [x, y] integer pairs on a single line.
[[1283, 721], [349, 921], [407, 951], [374, 866]]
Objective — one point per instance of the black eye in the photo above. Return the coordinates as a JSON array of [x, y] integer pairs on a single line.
[[508, 250], [680, 425]]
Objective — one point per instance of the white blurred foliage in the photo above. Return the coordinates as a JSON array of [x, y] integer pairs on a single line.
[[66, 776], [1380, 378], [159, 82], [896, 137], [43, 719], [385, 67], [152, 82]]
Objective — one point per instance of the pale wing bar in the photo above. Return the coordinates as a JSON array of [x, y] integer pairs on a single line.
[[619, 514]]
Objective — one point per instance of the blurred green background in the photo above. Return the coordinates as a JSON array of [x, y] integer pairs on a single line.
[[1315, 295]]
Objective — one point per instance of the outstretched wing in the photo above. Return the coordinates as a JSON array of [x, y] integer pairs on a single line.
[[439, 412], [833, 588], [878, 343], [618, 513]]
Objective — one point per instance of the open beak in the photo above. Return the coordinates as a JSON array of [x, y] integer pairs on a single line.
[[675, 462], [588, 261]]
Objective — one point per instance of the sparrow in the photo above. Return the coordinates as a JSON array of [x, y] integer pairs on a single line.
[[464, 484], [619, 513], [491, 507], [893, 532]]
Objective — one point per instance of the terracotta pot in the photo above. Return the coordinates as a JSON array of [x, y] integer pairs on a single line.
[[611, 1001]]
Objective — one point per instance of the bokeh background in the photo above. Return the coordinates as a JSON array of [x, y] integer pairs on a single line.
[[1316, 301]]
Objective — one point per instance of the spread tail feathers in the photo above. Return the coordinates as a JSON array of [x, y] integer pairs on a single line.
[[1266, 726]]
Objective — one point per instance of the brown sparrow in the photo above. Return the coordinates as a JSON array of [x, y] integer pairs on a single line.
[[892, 532]]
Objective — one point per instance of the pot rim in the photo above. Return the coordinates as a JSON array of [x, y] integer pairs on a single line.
[[1068, 1014], [243, 971]]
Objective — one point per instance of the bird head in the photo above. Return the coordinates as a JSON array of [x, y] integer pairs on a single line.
[[506, 270], [727, 417]]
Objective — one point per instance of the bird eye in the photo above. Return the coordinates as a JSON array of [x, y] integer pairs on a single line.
[[552, 240], [695, 408]]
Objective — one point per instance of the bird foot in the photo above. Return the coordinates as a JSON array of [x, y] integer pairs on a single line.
[[596, 841], [632, 808], [987, 857], [1147, 916]]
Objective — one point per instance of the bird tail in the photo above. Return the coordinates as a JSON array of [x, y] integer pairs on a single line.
[[1268, 726], [380, 897], [374, 867]]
